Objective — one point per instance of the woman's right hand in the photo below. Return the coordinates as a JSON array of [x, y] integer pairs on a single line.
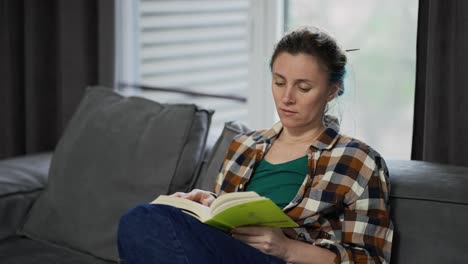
[[197, 195]]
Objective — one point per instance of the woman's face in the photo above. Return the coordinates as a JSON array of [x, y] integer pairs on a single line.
[[301, 90]]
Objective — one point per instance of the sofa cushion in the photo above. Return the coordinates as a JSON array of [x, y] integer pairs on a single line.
[[215, 159], [14, 208], [423, 180], [24, 173], [21, 179], [22, 250], [429, 205], [116, 152]]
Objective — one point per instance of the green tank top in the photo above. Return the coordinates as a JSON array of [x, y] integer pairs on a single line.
[[279, 182]]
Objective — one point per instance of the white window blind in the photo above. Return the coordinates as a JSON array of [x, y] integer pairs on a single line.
[[201, 46], [219, 47]]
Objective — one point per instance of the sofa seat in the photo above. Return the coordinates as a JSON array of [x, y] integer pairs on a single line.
[[14, 250]]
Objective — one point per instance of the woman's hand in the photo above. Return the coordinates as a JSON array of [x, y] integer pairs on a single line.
[[269, 240], [196, 195], [272, 241]]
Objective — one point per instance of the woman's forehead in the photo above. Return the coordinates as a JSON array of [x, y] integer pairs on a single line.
[[298, 66]]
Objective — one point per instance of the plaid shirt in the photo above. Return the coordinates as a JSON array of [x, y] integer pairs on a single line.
[[342, 203]]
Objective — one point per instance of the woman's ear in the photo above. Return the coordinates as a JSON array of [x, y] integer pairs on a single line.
[[334, 89]]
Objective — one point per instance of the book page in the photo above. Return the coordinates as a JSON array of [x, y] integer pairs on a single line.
[[235, 196], [199, 211]]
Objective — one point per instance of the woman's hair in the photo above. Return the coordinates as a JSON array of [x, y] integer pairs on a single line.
[[315, 42]]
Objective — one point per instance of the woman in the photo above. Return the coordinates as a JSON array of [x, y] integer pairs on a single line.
[[335, 187]]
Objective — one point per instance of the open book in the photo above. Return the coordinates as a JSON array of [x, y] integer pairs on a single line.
[[232, 210]]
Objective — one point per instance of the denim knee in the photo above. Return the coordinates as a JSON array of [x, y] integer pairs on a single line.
[[133, 217]]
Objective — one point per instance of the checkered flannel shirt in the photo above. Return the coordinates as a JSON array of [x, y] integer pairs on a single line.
[[342, 204]]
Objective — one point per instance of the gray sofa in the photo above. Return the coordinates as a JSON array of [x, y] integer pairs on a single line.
[[118, 152]]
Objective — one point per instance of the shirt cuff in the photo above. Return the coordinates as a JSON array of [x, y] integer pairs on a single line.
[[341, 253]]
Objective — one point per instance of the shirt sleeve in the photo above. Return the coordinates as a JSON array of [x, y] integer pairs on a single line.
[[367, 230], [234, 154], [218, 182]]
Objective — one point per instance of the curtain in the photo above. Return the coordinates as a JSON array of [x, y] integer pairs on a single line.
[[50, 51], [440, 132]]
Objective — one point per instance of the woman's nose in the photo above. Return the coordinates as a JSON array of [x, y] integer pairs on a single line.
[[288, 96]]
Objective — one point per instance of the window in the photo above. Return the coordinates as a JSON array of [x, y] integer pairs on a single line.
[[377, 106], [201, 46]]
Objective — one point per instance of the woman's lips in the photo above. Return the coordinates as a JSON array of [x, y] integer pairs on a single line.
[[288, 112]]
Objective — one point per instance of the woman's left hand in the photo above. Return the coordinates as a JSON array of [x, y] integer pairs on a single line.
[[269, 240]]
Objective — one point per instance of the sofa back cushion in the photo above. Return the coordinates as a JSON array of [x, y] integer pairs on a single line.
[[116, 152], [212, 165]]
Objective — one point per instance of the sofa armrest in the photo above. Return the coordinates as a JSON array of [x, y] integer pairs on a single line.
[[21, 181]]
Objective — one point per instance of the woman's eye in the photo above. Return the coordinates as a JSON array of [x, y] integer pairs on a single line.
[[280, 84], [305, 90]]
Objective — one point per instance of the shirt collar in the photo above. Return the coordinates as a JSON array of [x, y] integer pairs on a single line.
[[325, 140]]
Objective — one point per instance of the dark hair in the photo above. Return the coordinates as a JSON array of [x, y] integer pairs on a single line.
[[315, 42]]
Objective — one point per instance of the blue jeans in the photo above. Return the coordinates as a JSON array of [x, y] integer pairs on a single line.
[[163, 234]]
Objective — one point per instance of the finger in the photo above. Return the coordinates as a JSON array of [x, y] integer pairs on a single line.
[[195, 196], [191, 196], [248, 238], [177, 194], [207, 200], [250, 230]]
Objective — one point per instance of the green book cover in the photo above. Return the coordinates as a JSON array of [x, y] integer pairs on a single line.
[[254, 213], [233, 210]]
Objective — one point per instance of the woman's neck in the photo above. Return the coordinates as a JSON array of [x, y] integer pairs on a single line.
[[300, 135]]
